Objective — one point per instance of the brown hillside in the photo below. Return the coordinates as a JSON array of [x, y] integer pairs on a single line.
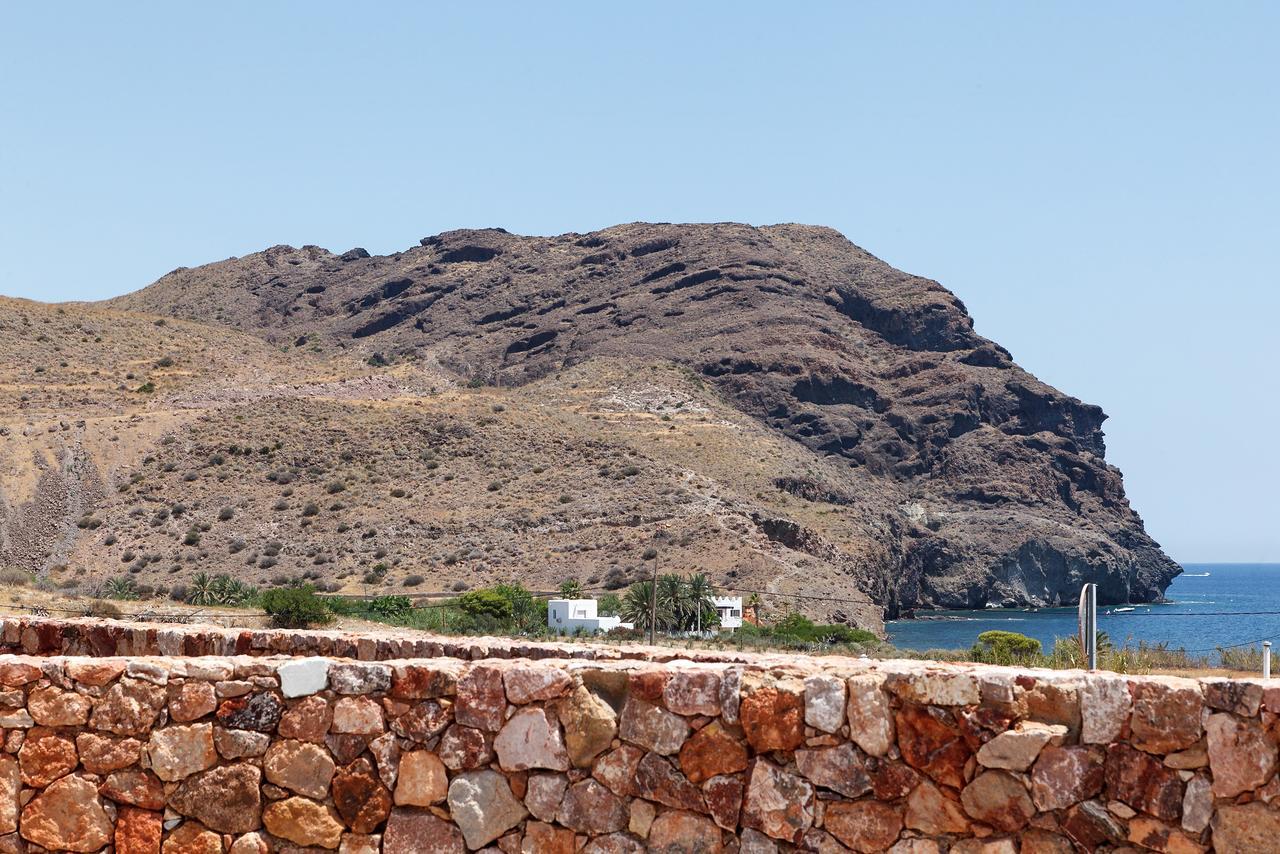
[[774, 405]]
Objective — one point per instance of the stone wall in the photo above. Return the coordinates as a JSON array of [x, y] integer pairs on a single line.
[[252, 753]]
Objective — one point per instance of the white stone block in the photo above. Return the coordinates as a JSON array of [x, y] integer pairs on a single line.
[[303, 676]]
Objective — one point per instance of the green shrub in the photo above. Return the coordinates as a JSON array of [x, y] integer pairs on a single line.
[[392, 607], [487, 603], [120, 587], [1000, 647], [797, 627], [295, 607]]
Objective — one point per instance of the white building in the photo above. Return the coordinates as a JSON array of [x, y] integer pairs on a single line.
[[730, 610], [570, 615]]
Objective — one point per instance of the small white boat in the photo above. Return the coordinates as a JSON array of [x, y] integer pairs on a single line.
[[1122, 610]]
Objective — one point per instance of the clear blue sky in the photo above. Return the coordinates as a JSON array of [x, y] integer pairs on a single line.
[[1100, 183]]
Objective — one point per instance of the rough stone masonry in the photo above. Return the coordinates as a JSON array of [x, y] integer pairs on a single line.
[[542, 752]]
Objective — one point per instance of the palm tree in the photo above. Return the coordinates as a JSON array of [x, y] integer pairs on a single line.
[[121, 587], [636, 604], [203, 590], [571, 589], [673, 600], [699, 593], [754, 601]]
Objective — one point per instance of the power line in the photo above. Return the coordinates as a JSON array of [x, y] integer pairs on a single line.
[[1196, 614], [1230, 646]]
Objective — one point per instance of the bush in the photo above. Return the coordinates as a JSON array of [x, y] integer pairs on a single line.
[[121, 587], [295, 607], [226, 513], [486, 603], [14, 577], [1000, 647], [101, 609], [797, 627], [392, 607], [413, 580]]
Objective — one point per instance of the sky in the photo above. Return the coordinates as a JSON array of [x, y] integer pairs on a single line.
[[1099, 183]]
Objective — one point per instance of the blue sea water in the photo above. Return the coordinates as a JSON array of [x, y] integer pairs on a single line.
[[1226, 594]]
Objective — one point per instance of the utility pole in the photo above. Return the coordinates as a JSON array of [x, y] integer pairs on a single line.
[[653, 599]]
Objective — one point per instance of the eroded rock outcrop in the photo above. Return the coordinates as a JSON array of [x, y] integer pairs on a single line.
[[966, 480]]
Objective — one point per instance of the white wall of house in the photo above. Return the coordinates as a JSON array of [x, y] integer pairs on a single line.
[[730, 610], [570, 615]]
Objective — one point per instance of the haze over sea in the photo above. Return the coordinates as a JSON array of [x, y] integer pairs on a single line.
[[1228, 595]]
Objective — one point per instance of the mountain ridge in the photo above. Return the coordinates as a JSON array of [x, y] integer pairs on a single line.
[[941, 472]]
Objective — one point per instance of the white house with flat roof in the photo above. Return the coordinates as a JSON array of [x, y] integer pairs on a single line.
[[570, 615], [730, 610]]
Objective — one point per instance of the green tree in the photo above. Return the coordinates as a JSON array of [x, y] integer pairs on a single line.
[[527, 612], [202, 590], [673, 601], [1000, 647], [571, 588], [610, 605], [636, 606], [699, 600]]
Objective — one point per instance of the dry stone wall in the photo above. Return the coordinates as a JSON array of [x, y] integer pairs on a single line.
[[254, 753]]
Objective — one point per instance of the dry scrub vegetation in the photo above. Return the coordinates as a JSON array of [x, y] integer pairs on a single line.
[[373, 479]]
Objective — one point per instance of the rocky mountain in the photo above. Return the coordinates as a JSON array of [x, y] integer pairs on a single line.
[[774, 404]]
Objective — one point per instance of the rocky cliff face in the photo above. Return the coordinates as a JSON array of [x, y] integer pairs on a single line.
[[936, 472]]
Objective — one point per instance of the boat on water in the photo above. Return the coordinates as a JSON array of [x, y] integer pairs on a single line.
[[1195, 575], [1122, 610]]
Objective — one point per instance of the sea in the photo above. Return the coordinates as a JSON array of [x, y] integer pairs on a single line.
[[1209, 605]]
